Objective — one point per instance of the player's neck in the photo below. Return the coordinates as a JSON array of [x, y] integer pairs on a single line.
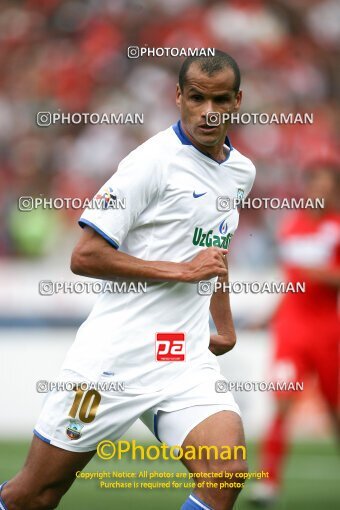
[[217, 152]]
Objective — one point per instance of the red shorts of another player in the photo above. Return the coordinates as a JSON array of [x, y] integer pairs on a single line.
[[308, 349]]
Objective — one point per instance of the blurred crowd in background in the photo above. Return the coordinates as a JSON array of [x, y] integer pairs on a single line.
[[71, 56]]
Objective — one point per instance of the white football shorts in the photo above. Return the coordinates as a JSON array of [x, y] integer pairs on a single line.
[[78, 418]]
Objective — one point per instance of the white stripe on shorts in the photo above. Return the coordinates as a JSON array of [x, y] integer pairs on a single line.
[[201, 505]]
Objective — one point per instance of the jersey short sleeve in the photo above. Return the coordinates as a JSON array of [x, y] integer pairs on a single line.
[[250, 180], [115, 208]]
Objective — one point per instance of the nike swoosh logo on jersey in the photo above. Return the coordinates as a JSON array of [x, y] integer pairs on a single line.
[[197, 195]]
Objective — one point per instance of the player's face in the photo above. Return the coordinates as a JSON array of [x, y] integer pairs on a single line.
[[203, 94]]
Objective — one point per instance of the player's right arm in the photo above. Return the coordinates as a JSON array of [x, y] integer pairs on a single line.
[[94, 257]]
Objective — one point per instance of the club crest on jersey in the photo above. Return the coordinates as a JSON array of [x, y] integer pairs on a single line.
[[208, 239], [74, 429], [240, 195], [106, 197]]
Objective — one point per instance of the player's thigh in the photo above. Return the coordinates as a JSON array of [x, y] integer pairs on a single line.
[[212, 440], [223, 431], [49, 466], [213, 425]]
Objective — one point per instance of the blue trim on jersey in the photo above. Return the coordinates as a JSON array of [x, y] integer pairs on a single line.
[[83, 222], [155, 426], [2, 503], [180, 133], [186, 141], [36, 433]]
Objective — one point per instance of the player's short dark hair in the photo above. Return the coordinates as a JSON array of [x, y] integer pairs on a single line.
[[211, 65]]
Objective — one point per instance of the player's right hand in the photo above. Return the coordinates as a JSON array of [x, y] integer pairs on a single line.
[[207, 264]]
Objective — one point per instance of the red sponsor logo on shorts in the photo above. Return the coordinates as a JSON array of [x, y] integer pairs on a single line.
[[170, 347]]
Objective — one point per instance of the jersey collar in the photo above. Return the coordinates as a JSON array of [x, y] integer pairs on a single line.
[[185, 141]]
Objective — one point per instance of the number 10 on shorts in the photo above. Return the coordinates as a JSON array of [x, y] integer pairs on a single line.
[[170, 347]]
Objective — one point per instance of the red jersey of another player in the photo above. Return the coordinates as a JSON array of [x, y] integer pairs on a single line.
[[306, 325], [305, 242]]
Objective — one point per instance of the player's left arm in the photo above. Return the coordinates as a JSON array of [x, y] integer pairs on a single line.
[[220, 310]]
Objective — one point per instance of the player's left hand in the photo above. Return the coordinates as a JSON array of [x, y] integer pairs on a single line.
[[220, 344]]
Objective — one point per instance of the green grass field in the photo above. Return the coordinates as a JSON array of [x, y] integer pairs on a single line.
[[312, 481]]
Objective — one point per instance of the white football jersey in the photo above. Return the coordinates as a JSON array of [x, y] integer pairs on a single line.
[[169, 190]]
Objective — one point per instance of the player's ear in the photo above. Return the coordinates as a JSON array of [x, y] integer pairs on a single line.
[[178, 95], [238, 100]]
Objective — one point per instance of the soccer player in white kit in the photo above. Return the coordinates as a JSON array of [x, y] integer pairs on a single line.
[[172, 235]]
